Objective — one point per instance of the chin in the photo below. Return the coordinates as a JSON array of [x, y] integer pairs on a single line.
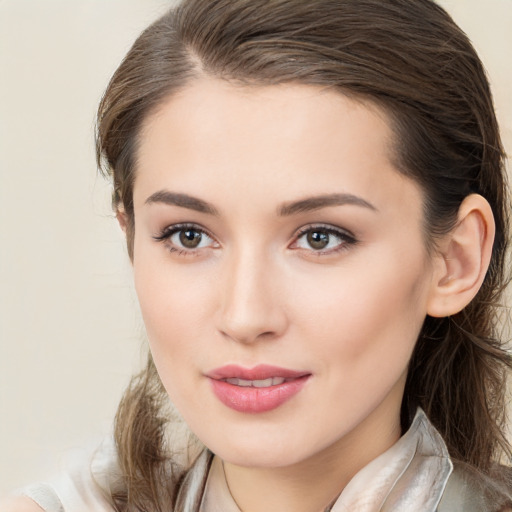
[[262, 445], [256, 457]]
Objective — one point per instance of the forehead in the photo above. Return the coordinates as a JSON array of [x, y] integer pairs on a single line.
[[287, 110], [293, 139]]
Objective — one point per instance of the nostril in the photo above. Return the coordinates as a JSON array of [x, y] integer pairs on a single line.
[[247, 335]]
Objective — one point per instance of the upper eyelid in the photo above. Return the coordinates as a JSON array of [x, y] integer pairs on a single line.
[[171, 229], [326, 227], [174, 228], [166, 234], [346, 239]]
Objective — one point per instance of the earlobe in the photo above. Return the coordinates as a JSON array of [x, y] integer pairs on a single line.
[[463, 258]]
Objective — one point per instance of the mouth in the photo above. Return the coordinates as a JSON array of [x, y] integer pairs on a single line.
[[263, 383], [256, 390]]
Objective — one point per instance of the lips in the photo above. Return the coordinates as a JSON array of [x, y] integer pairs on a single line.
[[256, 390]]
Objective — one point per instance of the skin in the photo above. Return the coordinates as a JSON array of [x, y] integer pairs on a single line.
[[19, 504], [256, 291]]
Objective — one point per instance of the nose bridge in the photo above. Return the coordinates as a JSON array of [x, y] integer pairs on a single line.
[[250, 304]]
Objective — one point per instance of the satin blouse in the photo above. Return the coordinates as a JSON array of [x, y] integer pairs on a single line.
[[415, 474]]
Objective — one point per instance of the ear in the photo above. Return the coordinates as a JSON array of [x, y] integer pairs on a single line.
[[463, 258], [122, 219]]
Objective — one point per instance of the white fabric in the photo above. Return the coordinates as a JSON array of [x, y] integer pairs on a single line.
[[82, 489], [45, 496]]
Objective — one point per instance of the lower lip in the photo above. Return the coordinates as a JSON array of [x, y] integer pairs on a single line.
[[256, 400]]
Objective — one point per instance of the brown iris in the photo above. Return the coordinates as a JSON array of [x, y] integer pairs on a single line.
[[318, 239], [190, 238]]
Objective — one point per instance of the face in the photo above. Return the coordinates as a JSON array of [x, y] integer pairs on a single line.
[[280, 267]]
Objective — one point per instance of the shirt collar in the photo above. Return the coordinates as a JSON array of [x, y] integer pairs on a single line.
[[411, 475]]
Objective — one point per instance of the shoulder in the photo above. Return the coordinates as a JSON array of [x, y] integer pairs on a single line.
[[469, 491], [84, 484], [19, 504]]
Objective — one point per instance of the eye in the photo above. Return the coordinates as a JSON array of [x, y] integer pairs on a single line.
[[323, 239], [185, 238], [188, 238]]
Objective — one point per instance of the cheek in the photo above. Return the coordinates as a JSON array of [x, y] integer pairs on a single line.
[[173, 302], [172, 321], [371, 314], [170, 308], [178, 306]]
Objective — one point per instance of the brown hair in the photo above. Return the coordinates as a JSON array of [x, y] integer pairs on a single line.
[[409, 58]]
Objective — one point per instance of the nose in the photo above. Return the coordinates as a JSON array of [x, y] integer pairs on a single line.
[[251, 305]]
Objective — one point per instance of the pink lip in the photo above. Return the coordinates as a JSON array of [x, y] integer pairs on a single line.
[[252, 399]]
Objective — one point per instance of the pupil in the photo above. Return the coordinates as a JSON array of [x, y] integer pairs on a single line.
[[318, 239], [190, 238]]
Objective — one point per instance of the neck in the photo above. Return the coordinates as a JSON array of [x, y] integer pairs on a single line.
[[312, 485]]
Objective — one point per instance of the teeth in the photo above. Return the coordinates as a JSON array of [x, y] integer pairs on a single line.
[[264, 383]]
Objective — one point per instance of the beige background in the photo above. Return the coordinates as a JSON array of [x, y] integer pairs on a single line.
[[69, 325]]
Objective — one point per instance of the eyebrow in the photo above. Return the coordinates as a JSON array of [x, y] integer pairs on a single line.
[[182, 200], [323, 201], [287, 209]]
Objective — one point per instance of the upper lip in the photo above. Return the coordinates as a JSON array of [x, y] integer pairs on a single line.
[[259, 372]]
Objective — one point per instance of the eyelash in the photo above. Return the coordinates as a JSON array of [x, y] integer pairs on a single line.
[[345, 238], [166, 234]]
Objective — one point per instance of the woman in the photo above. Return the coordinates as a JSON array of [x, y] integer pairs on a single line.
[[316, 211]]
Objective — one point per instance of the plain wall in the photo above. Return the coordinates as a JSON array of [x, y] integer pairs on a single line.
[[70, 329]]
